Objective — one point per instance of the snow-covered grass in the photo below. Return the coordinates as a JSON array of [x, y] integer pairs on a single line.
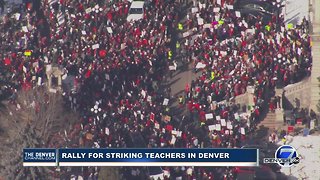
[[308, 149]]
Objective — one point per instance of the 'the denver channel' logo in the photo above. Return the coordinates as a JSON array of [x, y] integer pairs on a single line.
[[285, 156]]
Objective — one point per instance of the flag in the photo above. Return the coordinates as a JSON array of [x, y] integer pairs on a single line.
[[290, 26], [27, 53]]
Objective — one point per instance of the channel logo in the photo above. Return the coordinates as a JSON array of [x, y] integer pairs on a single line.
[[285, 156]]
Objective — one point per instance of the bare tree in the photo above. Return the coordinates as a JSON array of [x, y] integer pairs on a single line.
[[28, 122]]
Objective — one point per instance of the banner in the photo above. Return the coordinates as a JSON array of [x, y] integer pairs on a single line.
[[141, 157]]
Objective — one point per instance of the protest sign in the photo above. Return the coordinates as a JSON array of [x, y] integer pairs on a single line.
[[157, 125], [24, 29], [242, 131], [218, 127], [208, 25], [229, 6], [223, 122], [200, 21], [209, 116], [218, 118], [194, 10], [39, 81], [186, 34], [200, 65], [107, 132], [109, 30], [88, 10], [229, 125], [236, 116], [143, 93], [173, 140], [95, 46], [238, 14], [172, 68], [165, 102], [212, 127]]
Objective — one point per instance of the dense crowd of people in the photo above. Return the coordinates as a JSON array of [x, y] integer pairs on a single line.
[[118, 69]]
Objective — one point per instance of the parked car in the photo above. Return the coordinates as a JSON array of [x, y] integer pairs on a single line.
[[255, 8], [136, 11]]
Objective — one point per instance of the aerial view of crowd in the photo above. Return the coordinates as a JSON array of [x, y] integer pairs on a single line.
[[118, 69]]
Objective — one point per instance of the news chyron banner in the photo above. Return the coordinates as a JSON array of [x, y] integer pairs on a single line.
[[141, 157]]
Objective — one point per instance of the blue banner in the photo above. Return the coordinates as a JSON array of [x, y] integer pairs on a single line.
[[141, 157], [158, 157]]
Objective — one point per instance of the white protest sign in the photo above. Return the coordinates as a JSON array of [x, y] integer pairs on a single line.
[[229, 125], [88, 10], [209, 116], [186, 34], [194, 10], [218, 118], [200, 65], [242, 131], [24, 29], [95, 46], [157, 125], [219, 2], [238, 14], [212, 127], [165, 102], [52, 90], [200, 21], [107, 131], [109, 30], [236, 116], [83, 32], [216, 9], [172, 68], [179, 134], [218, 127], [143, 93], [223, 122], [173, 140], [207, 25], [24, 69], [229, 6], [17, 16], [39, 81]]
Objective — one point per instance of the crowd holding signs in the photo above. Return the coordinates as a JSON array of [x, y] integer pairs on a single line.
[[118, 67]]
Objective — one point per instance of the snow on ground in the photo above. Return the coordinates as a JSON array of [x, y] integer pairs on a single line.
[[295, 10], [308, 149]]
